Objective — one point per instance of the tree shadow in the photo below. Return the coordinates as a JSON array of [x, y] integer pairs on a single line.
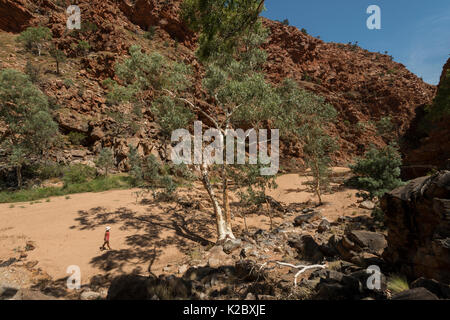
[[146, 231]]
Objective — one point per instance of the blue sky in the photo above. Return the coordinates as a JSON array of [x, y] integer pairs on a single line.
[[415, 32]]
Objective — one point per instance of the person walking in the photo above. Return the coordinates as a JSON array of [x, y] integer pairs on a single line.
[[106, 239]]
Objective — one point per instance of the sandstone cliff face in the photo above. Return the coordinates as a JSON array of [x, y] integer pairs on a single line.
[[14, 16], [428, 151], [418, 220], [361, 85]]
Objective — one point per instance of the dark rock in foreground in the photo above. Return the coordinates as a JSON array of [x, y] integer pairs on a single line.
[[417, 216], [415, 294]]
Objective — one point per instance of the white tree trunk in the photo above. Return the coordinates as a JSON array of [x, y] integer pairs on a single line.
[[224, 231]]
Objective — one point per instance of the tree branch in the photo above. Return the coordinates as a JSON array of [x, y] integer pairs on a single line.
[[302, 268]]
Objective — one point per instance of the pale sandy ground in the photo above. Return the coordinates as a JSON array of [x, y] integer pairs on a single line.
[[70, 231]]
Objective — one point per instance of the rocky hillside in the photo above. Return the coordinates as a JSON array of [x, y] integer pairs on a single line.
[[427, 144], [363, 86]]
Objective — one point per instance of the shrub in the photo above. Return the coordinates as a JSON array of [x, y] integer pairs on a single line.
[[83, 47], [378, 172], [29, 119], [397, 284], [440, 108], [78, 173], [59, 57], [88, 26], [68, 83], [105, 160], [33, 38], [96, 185], [76, 138], [150, 34], [49, 170], [33, 72], [152, 168], [136, 173]]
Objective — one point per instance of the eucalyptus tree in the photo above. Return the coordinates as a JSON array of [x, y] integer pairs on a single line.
[[231, 35], [31, 130]]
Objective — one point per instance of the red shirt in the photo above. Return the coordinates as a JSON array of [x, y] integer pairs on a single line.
[[107, 236]]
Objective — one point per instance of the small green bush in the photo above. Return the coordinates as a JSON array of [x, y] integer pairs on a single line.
[[68, 83], [378, 172], [33, 72], [76, 138], [96, 185], [88, 26], [397, 284], [150, 34], [83, 47], [78, 173], [49, 170], [33, 38], [105, 160]]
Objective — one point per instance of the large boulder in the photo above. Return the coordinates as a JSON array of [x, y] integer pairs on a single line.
[[128, 287], [415, 294], [29, 294], [134, 287], [307, 248], [356, 246], [368, 241], [417, 216]]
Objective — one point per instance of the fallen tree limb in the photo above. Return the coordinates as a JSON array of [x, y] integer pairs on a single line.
[[302, 267]]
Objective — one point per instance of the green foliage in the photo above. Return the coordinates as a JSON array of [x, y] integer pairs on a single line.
[[183, 172], [32, 71], [33, 38], [105, 160], [83, 47], [150, 34], [32, 130], [230, 39], [440, 108], [76, 138], [304, 31], [96, 185], [47, 170], [397, 284], [252, 186], [88, 27], [136, 173], [317, 157], [59, 57], [144, 71], [222, 24], [78, 173], [169, 189], [68, 83], [378, 172], [386, 129], [151, 170], [171, 114], [148, 173], [150, 71]]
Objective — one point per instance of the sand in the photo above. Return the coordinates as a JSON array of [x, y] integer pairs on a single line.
[[145, 237]]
